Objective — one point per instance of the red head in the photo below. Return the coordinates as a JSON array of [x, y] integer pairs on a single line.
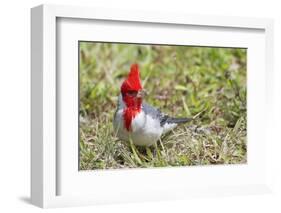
[[131, 91], [133, 82]]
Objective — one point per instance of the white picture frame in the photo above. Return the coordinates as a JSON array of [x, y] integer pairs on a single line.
[[47, 165]]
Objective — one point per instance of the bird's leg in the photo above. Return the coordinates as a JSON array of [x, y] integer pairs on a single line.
[[160, 141], [135, 152], [157, 151], [149, 153]]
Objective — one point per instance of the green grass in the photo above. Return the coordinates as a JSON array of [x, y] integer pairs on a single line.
[[181, 81]]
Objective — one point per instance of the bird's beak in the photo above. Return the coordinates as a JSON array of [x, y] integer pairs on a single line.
[[141, 93]]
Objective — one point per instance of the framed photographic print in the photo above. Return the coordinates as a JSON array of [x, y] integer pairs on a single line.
[[130, 106]]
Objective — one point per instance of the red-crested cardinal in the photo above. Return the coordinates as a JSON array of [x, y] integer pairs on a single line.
[[139, 121]]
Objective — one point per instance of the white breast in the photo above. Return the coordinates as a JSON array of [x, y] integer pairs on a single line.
[[145, 130]]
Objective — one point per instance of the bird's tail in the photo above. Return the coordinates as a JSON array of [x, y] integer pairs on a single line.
[[178, 120], [184, 120]]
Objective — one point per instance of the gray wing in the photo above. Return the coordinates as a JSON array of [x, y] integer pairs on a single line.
[[155, 113], [163, 118]]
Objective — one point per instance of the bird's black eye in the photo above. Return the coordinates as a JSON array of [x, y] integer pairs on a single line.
[[132, 93]]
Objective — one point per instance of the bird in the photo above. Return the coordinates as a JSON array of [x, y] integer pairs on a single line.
[[136, 120]]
